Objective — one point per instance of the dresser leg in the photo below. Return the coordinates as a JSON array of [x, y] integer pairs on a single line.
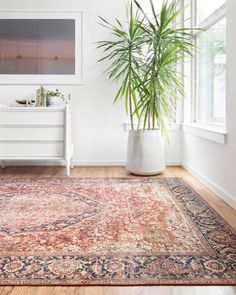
[[68, 167], [71, 157], [3, 164]]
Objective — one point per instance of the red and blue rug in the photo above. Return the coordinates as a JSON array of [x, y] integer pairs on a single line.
[[136, 231]]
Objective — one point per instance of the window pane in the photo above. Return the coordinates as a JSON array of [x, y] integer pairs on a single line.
[[211, 75], [205, 8]]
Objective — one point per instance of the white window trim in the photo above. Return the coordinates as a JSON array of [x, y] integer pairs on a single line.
[[208, 131], [211, 20]]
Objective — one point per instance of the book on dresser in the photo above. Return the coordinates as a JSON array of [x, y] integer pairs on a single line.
[[31, 133]]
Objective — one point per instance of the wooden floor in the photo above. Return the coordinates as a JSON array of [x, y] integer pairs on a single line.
[[220, 206]]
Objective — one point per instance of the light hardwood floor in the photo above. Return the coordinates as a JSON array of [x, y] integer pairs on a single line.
[[219, 205]]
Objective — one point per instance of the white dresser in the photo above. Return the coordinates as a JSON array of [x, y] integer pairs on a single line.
[[30, 133]]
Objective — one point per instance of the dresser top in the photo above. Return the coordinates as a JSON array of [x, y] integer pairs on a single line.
[[31, 109]]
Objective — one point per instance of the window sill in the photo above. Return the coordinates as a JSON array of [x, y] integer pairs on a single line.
[[211, 133]]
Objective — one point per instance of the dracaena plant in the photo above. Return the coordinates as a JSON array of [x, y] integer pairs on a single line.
[[124, 55], [143, 56]]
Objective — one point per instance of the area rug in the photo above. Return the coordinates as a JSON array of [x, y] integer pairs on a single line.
[[119, 231]]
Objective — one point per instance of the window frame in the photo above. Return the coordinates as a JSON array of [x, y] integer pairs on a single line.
[[215, 17]]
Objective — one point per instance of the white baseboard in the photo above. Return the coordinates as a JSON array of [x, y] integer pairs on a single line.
[[78, 163], [227, 197], [99, 163], [116, 163], [173, 163]]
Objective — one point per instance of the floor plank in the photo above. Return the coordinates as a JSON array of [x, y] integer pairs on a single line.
[[228, 213], [117, 291]]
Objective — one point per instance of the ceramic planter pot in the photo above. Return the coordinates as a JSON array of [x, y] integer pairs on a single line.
[[54, 101], [145, 152]]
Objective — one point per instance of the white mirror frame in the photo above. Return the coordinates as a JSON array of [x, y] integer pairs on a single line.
[[77, 78]]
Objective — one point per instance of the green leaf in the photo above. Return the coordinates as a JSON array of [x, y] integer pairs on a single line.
[[142, 56]]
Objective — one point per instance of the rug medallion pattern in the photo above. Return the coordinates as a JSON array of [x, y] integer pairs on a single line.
[[118, 231]]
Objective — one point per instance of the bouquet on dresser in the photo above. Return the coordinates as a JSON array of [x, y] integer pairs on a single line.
[[51, 98], [41, 97]]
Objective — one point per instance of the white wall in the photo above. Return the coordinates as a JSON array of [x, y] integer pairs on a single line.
[[98, 134], [212, 162]]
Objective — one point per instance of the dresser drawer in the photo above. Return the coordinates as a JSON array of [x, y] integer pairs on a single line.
[[41, 134], [31, 149], [32, 116], [33, 133]]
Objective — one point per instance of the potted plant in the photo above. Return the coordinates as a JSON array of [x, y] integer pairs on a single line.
[[143, 58], [55, 98]]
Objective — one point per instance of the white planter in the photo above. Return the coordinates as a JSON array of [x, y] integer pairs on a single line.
[[55, 101], [145, 152]]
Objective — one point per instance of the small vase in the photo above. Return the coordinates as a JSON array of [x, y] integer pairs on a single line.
[[54, 101]]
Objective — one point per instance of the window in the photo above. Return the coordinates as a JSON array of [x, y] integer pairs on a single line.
[[206, 8], [210, 63]]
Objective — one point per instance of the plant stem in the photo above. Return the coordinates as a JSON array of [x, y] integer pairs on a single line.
[[149, 119], [153, 117], [130, 94], [130, 108]]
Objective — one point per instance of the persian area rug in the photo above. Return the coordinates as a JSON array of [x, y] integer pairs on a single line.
[[138, 231]]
